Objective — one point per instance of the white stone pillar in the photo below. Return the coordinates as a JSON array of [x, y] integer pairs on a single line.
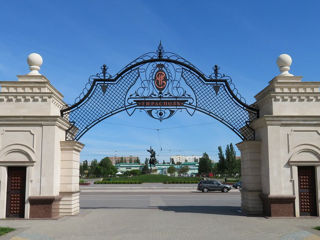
[[318, 188], [69, 181], [251, 203], [295, 182], [3, 191]]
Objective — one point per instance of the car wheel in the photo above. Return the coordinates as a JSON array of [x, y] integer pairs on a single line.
[[205, 190], [225, 190]]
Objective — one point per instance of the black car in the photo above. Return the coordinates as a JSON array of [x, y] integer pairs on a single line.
[[237, 185], [212, 185]]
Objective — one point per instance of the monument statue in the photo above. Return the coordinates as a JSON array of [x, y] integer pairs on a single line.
[[152, 159]]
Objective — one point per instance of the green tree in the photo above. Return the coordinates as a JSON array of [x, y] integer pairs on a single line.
[[135, 172], [171, 170], [94, 170], [85, 165], [106, 168], [205, 166], [215, 170], [145, 169], [81, 170], [84, 168], [228, 163], [238, 167], [183, 170], [230, 160], [222, 166]]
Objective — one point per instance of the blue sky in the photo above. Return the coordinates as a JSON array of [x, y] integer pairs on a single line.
[[76, 37]]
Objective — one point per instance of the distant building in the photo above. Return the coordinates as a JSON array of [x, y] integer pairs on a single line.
[[185, 159], [129, 159], [123, 167], [159, 168]]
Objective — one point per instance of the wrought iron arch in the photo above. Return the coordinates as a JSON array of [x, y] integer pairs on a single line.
[[160, 83]]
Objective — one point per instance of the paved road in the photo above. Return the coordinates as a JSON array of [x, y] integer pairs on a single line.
[[183, 201], [145, 187], [163, 216]]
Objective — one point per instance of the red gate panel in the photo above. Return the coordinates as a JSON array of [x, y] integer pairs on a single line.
[[307, 191], [16, 191]]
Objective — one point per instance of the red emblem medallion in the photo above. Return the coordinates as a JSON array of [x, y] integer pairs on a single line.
[[160, 80]]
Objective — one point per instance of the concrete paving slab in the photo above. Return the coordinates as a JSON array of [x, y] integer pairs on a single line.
[[163, 216]]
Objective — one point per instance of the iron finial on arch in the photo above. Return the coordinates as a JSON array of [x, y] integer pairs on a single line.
[[160, 50]]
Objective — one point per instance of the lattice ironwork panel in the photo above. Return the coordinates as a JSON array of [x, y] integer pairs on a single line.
[[99, 104], [160, 84], [214, 99]]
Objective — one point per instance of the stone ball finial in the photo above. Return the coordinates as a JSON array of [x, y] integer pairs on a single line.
[[284, 62], [34, 61]]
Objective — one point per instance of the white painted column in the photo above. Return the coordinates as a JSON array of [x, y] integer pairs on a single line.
[[295, 185], [3, 191], [318, 188], [29, 181]]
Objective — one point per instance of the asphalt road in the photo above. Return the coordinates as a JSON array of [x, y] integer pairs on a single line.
[[213, 202]]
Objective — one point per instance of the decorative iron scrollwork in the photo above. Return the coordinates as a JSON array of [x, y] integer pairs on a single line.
[[160, 83]]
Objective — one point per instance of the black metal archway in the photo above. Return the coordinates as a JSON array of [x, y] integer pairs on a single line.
[[161, 84]]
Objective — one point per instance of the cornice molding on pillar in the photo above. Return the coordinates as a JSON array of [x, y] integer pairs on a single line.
[[31, 98], [271, 120], [35, 121], [71, 146], [289, 89], [30, 91], [32, 78], [246, 145]]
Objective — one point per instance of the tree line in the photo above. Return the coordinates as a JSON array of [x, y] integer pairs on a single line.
[[228, 164], [104, 168]]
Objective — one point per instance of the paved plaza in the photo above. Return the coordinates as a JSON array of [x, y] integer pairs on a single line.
[[184, 214]]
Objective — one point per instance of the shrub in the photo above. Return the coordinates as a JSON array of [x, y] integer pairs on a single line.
[[118, 182]]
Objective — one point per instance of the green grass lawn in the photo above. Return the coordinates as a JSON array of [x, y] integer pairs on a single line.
[[4, 230]]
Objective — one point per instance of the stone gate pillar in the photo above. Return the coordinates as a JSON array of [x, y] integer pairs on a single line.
[[251, 177], [32, 144], [69, 180], [287, 135]]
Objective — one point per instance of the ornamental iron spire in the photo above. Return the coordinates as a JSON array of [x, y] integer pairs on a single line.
[[216, 71], [160, 50], [104, 73]]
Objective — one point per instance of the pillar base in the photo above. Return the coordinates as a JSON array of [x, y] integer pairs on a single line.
[[251, 203], [278, 206], [43, 206], [69, 204]]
